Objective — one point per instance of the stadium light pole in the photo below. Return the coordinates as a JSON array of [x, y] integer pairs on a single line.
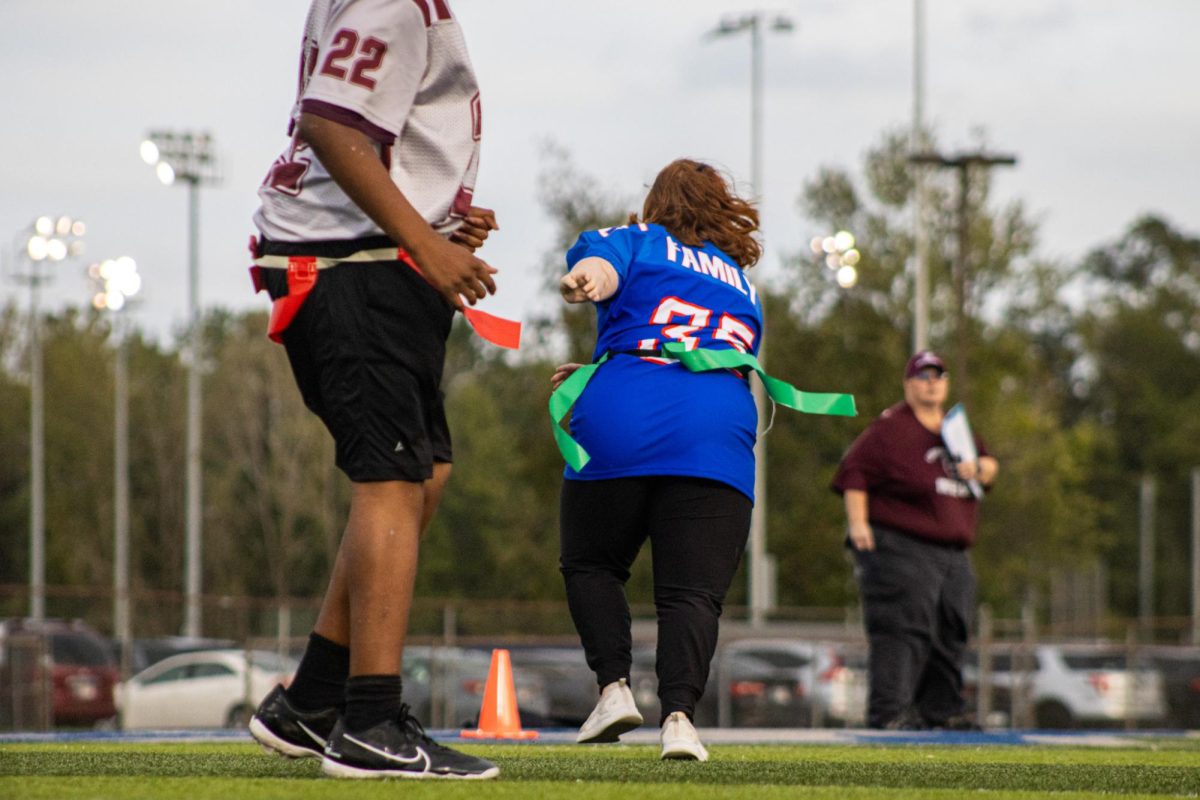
[[54, 240], [117, 281], [1195, 556], [962, 163], [189, 157], [920, 223], [759, 572]]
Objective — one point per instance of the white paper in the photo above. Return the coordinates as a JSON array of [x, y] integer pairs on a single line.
[[956, 433]]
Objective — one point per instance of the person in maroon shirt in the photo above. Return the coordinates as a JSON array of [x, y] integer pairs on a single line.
[[911, 515]]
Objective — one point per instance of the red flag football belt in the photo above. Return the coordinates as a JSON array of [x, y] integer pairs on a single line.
[[302, 276]]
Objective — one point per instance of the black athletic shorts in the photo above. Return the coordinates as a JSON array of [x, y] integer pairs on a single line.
[[367, 349]]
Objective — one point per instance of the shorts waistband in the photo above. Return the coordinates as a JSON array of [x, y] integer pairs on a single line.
[[339, 248]]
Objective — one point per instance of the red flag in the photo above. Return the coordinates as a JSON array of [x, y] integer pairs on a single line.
[[497, 330]]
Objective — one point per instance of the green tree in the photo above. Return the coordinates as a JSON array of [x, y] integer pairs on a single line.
[[157, 456], [1138, 380], [824, 337], [275, 503], [14, 443], [502, 501], [576, 202]]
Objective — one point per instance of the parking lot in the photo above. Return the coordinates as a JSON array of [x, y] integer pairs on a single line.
[[66, 675]]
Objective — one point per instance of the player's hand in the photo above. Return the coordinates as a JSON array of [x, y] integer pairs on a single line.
[[454, 271], [475, 228], [861, 536], [967, 470], [988, 467], [579, 286], [561, 373]]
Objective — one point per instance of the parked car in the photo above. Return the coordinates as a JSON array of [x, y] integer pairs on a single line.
[[202, 689], [569, 683], [444, 687], [840, 693], [1000, 686], [742, 691], [63, 668], [1180, 670], [831, 675], [1073, 684], [144, 652]]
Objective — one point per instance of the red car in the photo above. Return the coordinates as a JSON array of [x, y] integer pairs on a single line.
[[59, 672]]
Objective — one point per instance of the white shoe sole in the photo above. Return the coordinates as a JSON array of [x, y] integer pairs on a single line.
[[612, 731], [273, 744], [683, 754], [335, 769]]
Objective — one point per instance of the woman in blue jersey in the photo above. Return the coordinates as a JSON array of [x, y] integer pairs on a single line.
[[671, 451]]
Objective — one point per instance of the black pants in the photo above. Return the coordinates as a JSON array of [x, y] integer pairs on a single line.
[[697, 530], [918, 599]]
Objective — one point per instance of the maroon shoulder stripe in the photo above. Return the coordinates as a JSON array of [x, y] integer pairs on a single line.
[[443, 10], [351, 119], [424, 6]]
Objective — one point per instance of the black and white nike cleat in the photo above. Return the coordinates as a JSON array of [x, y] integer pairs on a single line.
[[282, 728], [398, 748]]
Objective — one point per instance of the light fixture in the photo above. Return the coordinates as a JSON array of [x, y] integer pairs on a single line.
[[55, 239], [840, 256], [37, 247], [118, 281], [187, 156], [149, 151]]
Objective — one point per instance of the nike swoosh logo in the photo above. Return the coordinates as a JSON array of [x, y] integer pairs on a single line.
[[311, 735], [421, 754]]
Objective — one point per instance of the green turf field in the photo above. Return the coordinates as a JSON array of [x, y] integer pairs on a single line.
[[234, 771]]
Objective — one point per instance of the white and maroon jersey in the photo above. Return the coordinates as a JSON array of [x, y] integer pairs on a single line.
[[398, 71]]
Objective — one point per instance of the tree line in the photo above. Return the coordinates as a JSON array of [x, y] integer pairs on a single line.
[[1084, 377]]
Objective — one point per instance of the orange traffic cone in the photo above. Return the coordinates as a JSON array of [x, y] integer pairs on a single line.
[[499, 717]]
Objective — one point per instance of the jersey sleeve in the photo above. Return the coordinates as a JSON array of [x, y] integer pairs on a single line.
[[858, 468], [614, 245], [371, 59]]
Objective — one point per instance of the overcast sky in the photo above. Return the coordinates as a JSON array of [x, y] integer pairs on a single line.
[[1098, 98]]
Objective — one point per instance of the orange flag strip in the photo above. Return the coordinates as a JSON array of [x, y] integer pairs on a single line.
[[497, 330]]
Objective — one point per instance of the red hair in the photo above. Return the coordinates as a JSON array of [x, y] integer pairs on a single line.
[[695, 203]]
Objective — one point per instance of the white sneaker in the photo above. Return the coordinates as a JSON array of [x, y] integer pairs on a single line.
[[615, 713], [680, 740]]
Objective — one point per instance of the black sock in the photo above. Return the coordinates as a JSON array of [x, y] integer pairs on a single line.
[[371, 699], [320, 680]]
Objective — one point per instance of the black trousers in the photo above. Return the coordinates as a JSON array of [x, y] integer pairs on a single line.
[[918, 600], [697, 530]]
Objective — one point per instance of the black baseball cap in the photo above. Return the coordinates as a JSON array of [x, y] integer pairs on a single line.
[[923, 360]]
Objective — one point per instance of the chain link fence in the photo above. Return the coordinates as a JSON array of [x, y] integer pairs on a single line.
[[1017, 675]]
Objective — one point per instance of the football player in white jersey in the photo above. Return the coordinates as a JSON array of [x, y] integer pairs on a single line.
[[367, 232]]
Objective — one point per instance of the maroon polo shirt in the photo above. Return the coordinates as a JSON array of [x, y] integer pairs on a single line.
[[905, 470]]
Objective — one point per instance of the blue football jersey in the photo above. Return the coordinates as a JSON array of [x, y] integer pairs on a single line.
[[650, 416]]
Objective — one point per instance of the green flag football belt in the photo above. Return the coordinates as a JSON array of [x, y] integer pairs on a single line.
[[699, 360]]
